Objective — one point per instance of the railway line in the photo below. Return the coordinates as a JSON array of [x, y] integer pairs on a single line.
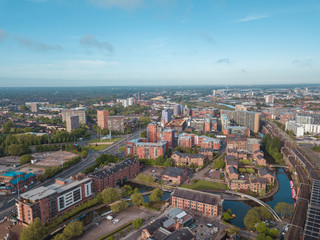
[[307, 169]]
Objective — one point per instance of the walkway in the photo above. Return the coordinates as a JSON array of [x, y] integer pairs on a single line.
[[257, 201]]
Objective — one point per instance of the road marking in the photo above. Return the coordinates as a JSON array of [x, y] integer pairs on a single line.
[[11, 199]]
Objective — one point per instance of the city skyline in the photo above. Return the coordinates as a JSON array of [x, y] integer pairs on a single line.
[[137, 42]]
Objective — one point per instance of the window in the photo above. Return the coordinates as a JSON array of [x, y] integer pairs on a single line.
[[61, 202], [76, 195]]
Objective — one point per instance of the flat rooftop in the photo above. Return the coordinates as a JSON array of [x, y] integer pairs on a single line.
[[197, 196]]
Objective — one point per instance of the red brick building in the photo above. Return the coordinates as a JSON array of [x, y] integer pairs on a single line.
[[102, 116], [265, 173], [13, 181], [175, 175], [115, 175], [53, 200], [239, 142], [188, 158], [195, 201]]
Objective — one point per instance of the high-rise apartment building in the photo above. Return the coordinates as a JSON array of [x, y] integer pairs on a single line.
[[81, 113], [166, 115], [102, 118], [269, 99], [116, 123], [72, 122], [177, 110], [34, 107], [244, 118]]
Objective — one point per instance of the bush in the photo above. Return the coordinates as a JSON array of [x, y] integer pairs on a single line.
[[137, 223], [25, 159], [119, 206]]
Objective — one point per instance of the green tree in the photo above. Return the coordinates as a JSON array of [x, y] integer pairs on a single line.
[[226, 216], [110, 238], [262, 192], [137, 223], [262, 228], [137, 199], [119, 206], [34, 231], [25, 159], [156, 195], [143, 134], [73, 230], [84, 153], [168, 163], [273, 232], [263, 236], [59, 236], [284, 209], [18, 149], [110, 195], [126, 190]]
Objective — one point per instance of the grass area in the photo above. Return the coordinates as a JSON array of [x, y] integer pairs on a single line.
[[103, 140], [97, 148], [123, 148], [205, 185]]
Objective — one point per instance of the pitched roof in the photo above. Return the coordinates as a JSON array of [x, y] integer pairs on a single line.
[[263, 171], [189, 155], [233, 170], [197, 196], [173, 171], [181, 234]]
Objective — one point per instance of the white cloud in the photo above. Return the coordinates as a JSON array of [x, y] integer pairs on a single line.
[[251, 18], [38, 46], [91, 41]]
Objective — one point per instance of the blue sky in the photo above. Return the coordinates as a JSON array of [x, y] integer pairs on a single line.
[[158, 42]]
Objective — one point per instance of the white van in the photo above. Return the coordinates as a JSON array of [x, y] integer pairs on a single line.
[[109, 217]]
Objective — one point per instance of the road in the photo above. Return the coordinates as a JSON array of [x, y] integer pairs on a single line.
[[8, 205]]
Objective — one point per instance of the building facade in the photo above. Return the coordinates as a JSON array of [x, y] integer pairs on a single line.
[[198, 202], [115, 175], [53, 200]]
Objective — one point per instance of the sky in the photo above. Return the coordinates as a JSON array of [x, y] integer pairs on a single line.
[[158, 42]]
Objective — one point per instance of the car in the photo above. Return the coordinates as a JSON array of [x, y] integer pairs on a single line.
[[209, 224], [116, 221]]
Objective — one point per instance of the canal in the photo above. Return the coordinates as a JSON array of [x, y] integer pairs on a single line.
[[241, 208]]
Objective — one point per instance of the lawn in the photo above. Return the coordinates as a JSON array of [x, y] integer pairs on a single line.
[[123, 148], [205, 185], [96, 148], [103, 140]]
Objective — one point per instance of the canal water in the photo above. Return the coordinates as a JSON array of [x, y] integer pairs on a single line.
[[241, 208]]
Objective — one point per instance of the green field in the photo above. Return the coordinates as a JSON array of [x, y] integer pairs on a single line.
[[205, 185], [96, 148], [103, 140]]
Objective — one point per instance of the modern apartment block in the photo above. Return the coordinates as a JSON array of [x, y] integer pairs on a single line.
[[115, 175], [116, 123], [102, 116], [197, 202], [81, 113], [202, 113], [72, 122], [53, 200], [191, 140], [34, 107], [157, 133], [244, 118], [166, 115]]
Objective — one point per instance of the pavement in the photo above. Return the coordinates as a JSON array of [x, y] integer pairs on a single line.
[[105, 226]]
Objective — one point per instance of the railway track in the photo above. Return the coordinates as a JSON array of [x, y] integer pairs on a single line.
[[307, 168]]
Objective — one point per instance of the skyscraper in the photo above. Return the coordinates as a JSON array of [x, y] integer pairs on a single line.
[[72, 122]]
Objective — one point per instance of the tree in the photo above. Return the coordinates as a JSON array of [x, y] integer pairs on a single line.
[[273, 232], [137, 199], [119, 206], [25, 159], [34, 231], [137, 223], [126, 190], [226, 216], [18, 149], [262, 192], [110, 195], [84, 153], [156, 195], [73, 230], [168, 163], [143, 134], [263, 236], [262, 228], [251, 219], [284, 209], [110, 238]]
